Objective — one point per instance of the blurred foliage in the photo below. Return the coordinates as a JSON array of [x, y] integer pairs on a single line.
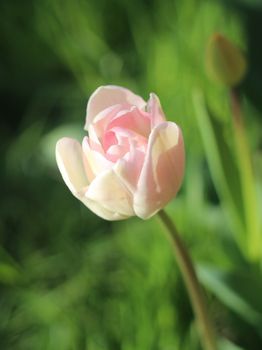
[[69, 280]]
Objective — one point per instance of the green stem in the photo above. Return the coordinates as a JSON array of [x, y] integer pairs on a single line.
[[247, 178], [207, 334]]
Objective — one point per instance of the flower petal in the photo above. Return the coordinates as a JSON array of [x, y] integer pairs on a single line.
[[155, 110], [96, 161], [162, 171], [69, 157], [129, 167], [101, 120], [106, 96], [94, 141], [99, 210], [133, 119], [108, 190]]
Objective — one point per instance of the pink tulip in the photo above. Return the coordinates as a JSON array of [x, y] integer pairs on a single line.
[[132, 161]]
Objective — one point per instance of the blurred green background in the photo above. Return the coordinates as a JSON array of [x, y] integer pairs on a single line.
[[69, 280]]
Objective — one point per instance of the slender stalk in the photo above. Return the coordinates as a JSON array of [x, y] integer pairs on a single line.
[[207, 334], [247, 178]]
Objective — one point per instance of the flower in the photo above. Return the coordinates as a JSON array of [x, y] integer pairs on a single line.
[[132, 161]]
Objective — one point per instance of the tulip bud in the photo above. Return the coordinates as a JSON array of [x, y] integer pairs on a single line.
[[225, 62]]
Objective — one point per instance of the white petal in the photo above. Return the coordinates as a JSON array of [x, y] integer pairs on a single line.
[[69, 157], [106, 96], [109, 192], [99, 210], [162, 171]]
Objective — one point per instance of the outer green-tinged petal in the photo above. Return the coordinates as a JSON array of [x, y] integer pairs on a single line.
[[162, 171]]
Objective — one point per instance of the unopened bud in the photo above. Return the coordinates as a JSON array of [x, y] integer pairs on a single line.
[[225, 62]]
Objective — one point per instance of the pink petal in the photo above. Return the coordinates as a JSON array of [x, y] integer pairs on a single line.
[[162, 171], [70, 161], [155, 110], [107, 190], [134, 119], [109, 139], [128, 137], [116, 152], [106, 96], [102, 119], [94, 142], [129, 167], [96, 161]]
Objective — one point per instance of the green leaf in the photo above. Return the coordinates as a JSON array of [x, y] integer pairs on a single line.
[[9, 271], [222, 165], [239, 290], [225, 344], [251, 3]]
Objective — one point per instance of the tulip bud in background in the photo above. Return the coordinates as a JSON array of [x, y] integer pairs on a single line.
[[225, 63], [132, 161]]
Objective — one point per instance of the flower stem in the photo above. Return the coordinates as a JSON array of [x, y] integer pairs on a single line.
[[207, 334]]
